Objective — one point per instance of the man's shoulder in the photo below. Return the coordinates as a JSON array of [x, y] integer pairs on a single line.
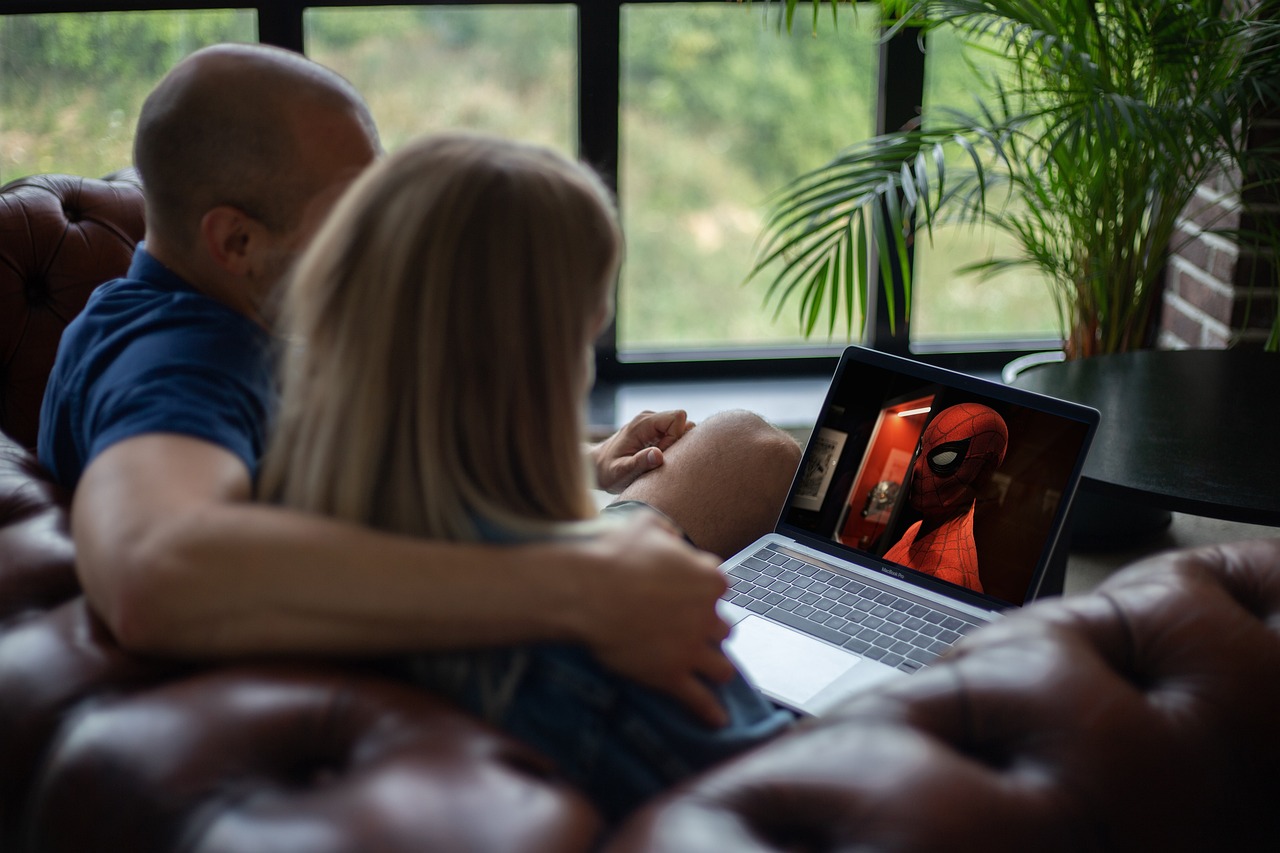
[[144, 306], [127, 319], [147, 356]]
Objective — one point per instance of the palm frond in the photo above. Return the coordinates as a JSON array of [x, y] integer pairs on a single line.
[[1115, 112]]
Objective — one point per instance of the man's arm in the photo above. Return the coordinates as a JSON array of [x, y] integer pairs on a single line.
[[176, 558]]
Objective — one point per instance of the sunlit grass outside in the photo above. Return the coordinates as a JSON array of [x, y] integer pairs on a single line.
[[951, 303], [706, 139], [508, 71], [75, 112], [955, 305]]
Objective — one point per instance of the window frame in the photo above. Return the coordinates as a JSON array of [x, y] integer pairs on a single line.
[[900, 89]]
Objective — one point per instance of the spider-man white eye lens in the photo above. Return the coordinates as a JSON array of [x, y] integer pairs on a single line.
[[944, 458]]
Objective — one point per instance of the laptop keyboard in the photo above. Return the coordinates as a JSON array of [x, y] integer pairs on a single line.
[[876, 624]]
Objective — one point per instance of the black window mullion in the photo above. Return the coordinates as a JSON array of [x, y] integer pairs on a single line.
[[280, 24], [898, 103], [599, 73], [599, 105]]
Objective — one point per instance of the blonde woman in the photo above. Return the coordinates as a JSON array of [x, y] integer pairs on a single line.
[[440, 335]]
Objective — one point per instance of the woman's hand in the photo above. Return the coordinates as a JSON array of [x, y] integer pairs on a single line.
[[637, 447], [646, 607]]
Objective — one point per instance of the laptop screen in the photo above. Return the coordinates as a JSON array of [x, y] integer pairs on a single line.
[[953, 479]]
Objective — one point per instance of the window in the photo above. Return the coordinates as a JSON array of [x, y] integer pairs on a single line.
[[71, 84], [720, 108], [696, 111], [489, 68], [951, 305]]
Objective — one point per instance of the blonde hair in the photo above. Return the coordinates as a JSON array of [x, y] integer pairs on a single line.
[[439, 330]]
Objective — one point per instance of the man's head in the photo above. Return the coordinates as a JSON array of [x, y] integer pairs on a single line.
[[241, 149]]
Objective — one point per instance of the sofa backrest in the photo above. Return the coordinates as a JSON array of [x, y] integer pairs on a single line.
[[60, 237]]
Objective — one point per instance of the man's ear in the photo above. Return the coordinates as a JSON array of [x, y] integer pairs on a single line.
[[228, 234]]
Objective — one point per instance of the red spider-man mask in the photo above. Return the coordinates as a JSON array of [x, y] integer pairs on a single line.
[[958, 450]]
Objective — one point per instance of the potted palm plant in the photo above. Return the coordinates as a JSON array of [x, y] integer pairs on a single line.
[[1087, 153]]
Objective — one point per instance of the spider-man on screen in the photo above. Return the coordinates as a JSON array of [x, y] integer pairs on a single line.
[[959, 450]]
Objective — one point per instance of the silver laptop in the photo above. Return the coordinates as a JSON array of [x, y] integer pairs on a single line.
[[927, 503]]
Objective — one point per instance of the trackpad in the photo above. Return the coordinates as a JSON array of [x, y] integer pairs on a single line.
[[781, 662]]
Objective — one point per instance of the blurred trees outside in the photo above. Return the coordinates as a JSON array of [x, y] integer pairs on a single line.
[[720, 108]]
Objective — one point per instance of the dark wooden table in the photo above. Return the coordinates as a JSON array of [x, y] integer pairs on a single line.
[[1192, 431]]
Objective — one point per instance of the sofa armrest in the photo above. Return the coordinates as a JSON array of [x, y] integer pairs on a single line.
[[1139, 717]]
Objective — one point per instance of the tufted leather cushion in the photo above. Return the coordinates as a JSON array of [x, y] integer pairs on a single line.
[[36, 557], [54, 655], [53, 666], [107, 751], [60, 237], [251, 759], [1139, 718]]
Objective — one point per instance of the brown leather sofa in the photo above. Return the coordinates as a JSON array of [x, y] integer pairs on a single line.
[[1140, 717]]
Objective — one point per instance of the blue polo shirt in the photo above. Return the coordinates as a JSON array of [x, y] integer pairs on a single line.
[[150, 354]]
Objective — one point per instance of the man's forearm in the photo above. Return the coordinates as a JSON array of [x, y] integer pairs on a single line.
[[178, 561], [250, 579]]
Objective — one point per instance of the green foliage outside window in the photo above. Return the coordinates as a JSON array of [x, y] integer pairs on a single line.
[[138, 45], [721, 106], [71, 84], [1119, 112]]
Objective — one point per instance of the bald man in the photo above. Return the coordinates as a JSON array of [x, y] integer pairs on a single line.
[[157, 407]]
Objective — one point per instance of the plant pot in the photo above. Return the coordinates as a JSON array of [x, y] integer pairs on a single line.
[[1023, 363]]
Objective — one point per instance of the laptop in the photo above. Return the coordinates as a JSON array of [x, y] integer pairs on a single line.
[[927, 503]]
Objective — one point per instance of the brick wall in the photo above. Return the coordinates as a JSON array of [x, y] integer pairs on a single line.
[[1218, 293]]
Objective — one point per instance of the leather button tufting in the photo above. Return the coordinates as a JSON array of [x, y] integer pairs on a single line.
[[63, 236], [36, 290]]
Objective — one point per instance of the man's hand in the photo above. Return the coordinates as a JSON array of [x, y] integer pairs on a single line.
[[637, 447], [650, 613]]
